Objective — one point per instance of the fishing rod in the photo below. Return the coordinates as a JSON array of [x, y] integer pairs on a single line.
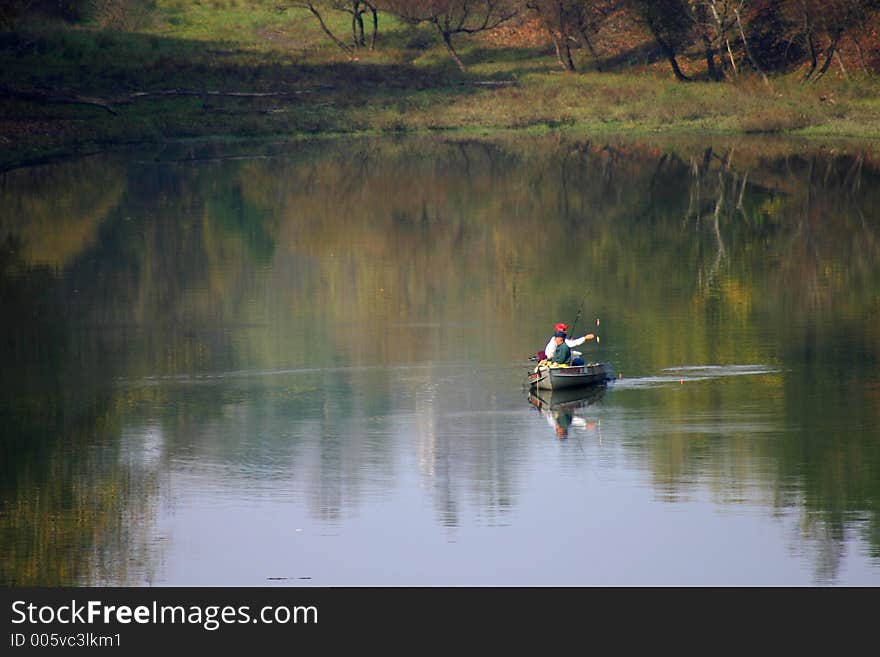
[[576, 318]]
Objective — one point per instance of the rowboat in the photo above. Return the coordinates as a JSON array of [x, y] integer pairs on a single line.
[[545, 377]]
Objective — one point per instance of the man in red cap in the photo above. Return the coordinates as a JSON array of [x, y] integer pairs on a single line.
[[560, 330]]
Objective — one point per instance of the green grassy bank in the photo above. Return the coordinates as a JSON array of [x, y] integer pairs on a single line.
[[297, 83]]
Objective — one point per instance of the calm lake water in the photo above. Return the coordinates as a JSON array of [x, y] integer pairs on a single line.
[[304, 364]]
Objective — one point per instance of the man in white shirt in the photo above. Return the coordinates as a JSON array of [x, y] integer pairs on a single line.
[[550, 349]]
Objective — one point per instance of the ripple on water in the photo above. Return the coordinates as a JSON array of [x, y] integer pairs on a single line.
[[690, 373]]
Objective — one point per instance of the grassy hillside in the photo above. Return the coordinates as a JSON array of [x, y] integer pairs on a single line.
[[302, 84]]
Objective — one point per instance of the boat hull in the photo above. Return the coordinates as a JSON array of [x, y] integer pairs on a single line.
[[560, 378]]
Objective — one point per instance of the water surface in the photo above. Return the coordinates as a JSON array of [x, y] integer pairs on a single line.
[[304, 364]]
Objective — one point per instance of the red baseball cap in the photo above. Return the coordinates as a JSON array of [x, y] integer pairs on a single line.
[[560, 327]]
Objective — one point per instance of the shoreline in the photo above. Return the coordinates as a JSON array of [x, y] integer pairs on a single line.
[[31, 155]]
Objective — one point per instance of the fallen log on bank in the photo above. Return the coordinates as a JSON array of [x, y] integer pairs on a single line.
[[41, 97], [109, 104]]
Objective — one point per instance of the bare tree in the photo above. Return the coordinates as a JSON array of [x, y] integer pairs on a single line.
[[825, 22], [700, 16], [572, 22], [715, 21], [722, 29], [555, 16], [315, 8], [357, 9], [737, 12], [453, 17]]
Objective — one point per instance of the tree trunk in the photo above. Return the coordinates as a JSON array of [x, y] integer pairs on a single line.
[[447, 41], [679, 75], [558, 51], [742, 34], [808, 29], [375, 26], [326, 29], [569, 62], [563, 36], [829, 57], [670, 54], [362, 39], [592, 50], [732, 58], [710, 59], [721, 32], [861, 53], [840, 63], [701, 18]]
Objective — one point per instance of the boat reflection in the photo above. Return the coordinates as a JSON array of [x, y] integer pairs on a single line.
[[565, 409]]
